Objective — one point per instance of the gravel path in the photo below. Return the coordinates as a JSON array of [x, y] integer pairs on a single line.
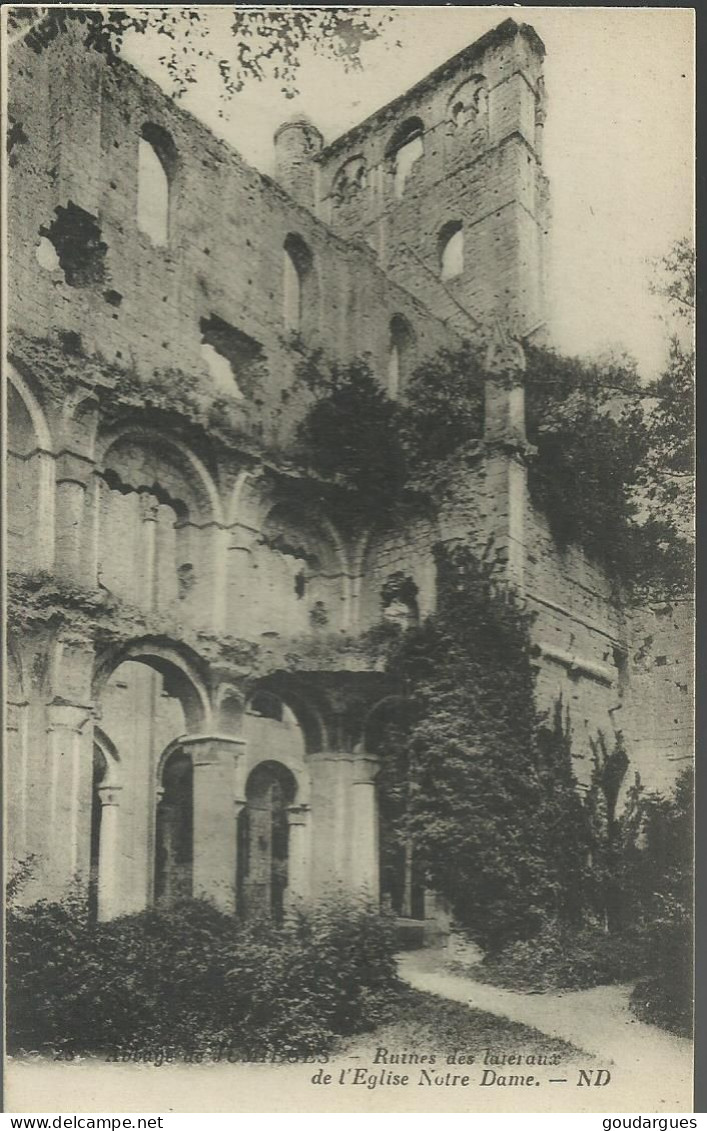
[[656, 1064]]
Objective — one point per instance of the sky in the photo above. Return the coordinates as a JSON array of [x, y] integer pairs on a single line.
[[618, 141]]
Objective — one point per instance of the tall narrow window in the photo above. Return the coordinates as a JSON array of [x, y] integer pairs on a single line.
[[404, 151], [156, 164], [299, 283], [451, 250], [400, 346]]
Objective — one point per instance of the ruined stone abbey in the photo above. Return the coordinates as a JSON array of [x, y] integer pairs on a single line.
[[179, 718]]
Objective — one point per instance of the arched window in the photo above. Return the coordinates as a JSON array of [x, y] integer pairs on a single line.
[[451, 250], [468, 104], [400, 346], [406, 147], [155, 172], [298, 283], [263, 864], [350, 179]]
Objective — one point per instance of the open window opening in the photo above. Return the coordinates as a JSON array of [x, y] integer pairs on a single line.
[[75, 236], [401, 344], [451, 250], [399, 600], [157, 161], [405, 149], [233, 358], [350, 180], [299, 283]]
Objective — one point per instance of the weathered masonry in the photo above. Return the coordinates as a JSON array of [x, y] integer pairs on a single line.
[[188, 712]]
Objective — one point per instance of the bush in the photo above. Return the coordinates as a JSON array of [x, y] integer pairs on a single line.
[[561, 957], [665, 996], [193, 979], [663, 878]]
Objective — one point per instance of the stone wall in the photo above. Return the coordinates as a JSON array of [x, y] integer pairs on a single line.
[[74, 186], [479, 121], [182, 575]]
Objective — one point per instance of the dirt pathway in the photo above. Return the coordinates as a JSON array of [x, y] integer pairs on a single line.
[[597, 1020]]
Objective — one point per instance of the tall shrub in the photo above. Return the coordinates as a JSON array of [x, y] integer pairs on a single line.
[[472, 778]]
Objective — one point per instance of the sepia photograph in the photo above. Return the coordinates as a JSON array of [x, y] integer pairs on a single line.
[[348, 635]]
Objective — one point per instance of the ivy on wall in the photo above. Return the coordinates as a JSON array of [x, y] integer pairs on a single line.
[[472, 777], [590, 425]]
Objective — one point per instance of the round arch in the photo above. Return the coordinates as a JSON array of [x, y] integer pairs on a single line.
[[406, 132], [250, 500], [110, 755], [195, 478], [370, 740], [34, 410], [176, 663], [15, 672], [309, 713]]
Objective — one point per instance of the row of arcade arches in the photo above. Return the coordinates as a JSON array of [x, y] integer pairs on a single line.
[[144, 844], [466, 111]]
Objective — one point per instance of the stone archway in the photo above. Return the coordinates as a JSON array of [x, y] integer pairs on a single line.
[[150, 697], [264, 841]]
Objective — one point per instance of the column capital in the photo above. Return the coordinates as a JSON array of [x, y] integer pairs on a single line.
[[297, 814], [68, 716], [71, 467], [110, 794], [211, 749], [365, 767], [149, 507]]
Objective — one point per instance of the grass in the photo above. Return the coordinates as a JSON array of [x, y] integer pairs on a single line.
[[425, 1022]]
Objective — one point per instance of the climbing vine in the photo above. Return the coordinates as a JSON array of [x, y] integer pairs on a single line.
[[473, 779], [591, 427]]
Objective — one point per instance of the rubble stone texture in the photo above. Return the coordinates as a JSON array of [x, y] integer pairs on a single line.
[[159, 744]]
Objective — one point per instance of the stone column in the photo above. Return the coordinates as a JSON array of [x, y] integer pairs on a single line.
[[69, 778], [215, 841], [331, 837], [364, 850], [109, 903], [506, 449], [46, 510], [17, 780], [220, 539], [149, 512], [298, 857], [72, 473]]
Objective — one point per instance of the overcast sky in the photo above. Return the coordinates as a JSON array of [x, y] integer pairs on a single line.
[[618, 141]]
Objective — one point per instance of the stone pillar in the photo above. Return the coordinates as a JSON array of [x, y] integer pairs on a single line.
[[220, 539], [364, 850], [72, 472], [69, 788], [46, 510], [215, 829], [109, 903], [17, 780], [506, 450], [331, 836], [149, 512], [298, 857]]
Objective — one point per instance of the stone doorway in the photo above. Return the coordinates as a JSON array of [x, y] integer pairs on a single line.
[[263, 842]]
